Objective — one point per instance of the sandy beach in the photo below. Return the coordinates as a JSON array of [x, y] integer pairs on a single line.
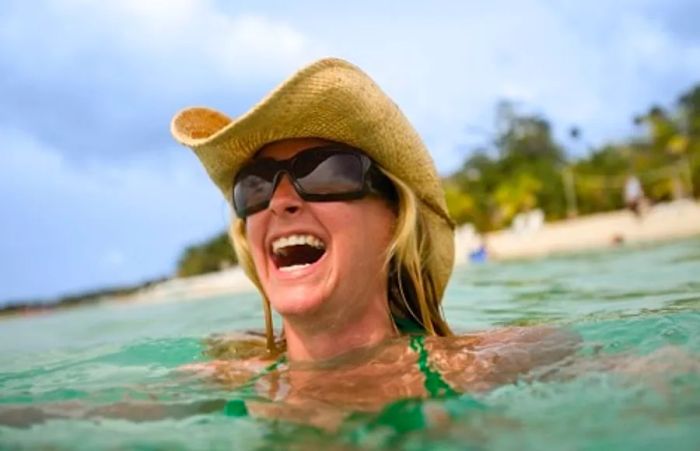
[[664, 221], [227, 281]]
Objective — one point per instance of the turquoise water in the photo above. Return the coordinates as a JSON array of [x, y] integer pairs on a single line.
[[106, 377]]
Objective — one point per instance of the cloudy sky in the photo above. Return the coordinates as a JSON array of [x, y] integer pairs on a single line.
[[94, 192]]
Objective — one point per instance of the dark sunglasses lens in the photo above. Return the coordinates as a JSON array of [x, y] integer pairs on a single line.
[[252, 191], [323, 173]]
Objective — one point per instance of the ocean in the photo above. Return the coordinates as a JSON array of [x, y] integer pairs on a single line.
[[110, 376]]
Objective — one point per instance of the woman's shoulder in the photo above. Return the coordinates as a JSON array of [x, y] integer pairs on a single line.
[[235, 357], [540, 336], [481, 360]]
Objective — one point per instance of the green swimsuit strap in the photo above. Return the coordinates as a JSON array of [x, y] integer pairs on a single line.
[[434, 384], [236, 407]]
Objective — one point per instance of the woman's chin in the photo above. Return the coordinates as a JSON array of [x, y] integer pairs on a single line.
[[297, 303], [292, 308], [301, 291]]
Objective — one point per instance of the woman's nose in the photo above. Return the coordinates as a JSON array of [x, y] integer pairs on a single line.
[[285, 199]]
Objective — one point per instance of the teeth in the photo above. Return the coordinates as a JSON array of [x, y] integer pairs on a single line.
[[297, 240], [293, 267]]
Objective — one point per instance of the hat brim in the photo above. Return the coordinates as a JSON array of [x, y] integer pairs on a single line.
[[334, 100]]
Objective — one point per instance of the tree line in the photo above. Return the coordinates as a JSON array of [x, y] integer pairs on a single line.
[[525, 168]]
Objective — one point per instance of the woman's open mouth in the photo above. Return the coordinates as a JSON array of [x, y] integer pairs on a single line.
[[297, 251]]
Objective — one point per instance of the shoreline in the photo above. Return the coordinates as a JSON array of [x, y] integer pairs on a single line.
[[661, 222], [227, 281]]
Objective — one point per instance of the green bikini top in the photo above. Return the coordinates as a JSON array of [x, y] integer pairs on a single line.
[[434, 384]]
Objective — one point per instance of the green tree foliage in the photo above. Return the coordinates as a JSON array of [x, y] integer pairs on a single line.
[[212, 255], [527, 169], [689, 106], [524, 174], [669, 152], [461, 205], [599, 179]]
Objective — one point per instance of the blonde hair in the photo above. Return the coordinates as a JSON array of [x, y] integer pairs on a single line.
[[413, 294]]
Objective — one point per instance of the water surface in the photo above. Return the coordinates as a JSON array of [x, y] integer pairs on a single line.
[[634, 385]]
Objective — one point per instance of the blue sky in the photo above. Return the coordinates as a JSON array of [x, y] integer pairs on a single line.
[[94, 192]]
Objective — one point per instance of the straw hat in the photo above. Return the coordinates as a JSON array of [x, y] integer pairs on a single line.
[[334, 100]]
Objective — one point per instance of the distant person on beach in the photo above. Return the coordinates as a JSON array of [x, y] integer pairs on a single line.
[[341, 223], [634, 195]]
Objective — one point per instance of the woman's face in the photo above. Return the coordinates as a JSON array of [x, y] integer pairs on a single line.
[[351, 235]]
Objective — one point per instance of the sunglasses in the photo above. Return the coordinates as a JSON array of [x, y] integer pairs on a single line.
[[320, 174]]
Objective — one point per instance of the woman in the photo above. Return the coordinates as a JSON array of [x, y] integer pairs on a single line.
[[341, 223]]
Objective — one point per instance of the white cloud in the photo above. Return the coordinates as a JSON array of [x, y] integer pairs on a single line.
[[115, 72], [176, 34], [77, 226]]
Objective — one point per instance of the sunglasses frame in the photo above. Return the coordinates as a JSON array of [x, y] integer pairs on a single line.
[[373, 180]]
